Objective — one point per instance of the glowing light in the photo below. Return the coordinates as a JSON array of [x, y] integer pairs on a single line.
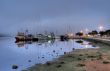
[[71, 34], [88, 35], [81, 31], [49, 36], [86, 46], [101, 28], [49, 41]]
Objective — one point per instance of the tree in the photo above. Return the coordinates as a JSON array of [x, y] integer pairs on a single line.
[[107, 32], [94, 32], [79, 34], [102, 33]]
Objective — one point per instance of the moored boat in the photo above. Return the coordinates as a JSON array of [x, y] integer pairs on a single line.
[[30, 37]]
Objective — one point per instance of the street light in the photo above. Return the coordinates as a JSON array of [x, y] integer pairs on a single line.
[[81, 31], [101, 28]]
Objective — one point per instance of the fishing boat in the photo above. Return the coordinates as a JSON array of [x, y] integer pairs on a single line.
[[23, 37], [20, 36], [29, 37]]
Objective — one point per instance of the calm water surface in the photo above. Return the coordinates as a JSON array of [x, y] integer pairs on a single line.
[[26, 54]]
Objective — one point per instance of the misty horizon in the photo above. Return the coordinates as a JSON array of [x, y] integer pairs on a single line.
[[59, 16]]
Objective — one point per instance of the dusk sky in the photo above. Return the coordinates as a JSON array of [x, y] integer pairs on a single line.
[[53, 15]]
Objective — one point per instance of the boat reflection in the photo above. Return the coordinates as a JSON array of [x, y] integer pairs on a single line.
[[40, 42]]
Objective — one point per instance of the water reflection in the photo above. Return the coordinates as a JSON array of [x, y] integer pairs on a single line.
[[40, 42], [79, 41], [26, 54]]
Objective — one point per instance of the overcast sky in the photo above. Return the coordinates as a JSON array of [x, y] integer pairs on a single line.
[[53, 15]]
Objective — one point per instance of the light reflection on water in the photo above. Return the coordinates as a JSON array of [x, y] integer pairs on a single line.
[[26, 54]]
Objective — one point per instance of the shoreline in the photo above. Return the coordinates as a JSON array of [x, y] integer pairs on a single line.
[[77, 60], [100, 40]]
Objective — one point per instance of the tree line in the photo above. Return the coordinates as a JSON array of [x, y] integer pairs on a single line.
[[95, 32]]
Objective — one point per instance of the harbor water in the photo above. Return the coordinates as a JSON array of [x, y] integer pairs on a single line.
[[27, 54]]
